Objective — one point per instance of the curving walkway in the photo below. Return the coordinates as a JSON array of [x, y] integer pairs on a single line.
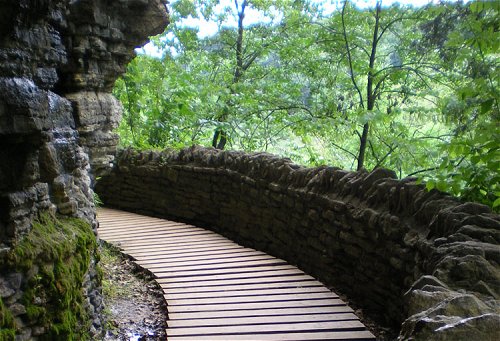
[[216, 289]]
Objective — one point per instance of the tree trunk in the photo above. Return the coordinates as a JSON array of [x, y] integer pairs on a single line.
[[219, 143], [215, 138], [362, 145], [370, 95], [220, 136]]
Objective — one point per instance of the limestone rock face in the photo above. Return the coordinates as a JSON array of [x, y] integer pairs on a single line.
[[96, 115], [59, 60], [58, 63]]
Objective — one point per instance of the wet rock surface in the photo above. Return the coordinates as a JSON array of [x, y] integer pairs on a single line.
[[135, 308], [59, 60]]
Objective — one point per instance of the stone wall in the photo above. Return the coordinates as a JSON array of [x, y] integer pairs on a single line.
[[421, 261], [58, 62]]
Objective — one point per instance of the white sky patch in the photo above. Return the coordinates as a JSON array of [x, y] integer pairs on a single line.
[[150, 49], [209, 28], [253, 16]]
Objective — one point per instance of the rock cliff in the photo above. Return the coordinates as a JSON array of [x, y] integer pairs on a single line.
[[58, 63]]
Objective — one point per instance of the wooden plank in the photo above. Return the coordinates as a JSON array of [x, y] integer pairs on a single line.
[[114, 220], [224, 271], [183, 244], [165, 240], [110, 215], [257, 305], [168, 277], [170, 284], [214, 259], [261, 290], [179, 232], [141, 241], [148, 227], [240, 264], [132, 220], [111, 211], [150, 249], [258, 312], [157, 232], [186, 236], [255, 298], [158, 246], [130, 225], [117, 214], [263, 328], [206, 254], [180, 253], [161, 240], [139, 223], [236, 321], [136, 228], [361, 335], [242, 287], [106, 213]]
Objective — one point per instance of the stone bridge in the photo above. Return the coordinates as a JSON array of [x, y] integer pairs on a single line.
[[421, 262]]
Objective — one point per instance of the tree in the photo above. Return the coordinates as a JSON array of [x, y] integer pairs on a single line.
[[220, 135], [397, 87], [467, 38], [385, 71]]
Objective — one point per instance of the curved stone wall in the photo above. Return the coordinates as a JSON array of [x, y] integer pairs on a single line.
[[419, 260], [58, 62]]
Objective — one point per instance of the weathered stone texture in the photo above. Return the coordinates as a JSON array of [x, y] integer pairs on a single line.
[[58, 63], [408, 256]]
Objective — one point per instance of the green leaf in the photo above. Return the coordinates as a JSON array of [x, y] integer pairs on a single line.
[[442, 186], [486, 106], [430, 185], [481, 5], [184, 8]]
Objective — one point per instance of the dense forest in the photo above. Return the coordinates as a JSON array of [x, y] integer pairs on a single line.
[[413, 89]]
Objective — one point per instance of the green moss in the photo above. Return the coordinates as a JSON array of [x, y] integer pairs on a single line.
[[7, 324], [57, 253]]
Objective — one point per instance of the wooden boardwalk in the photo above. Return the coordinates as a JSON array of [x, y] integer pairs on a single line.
[[216, 289]]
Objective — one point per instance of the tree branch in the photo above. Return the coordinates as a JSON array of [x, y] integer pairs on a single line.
[[349, 57], [344, 150], [422, 171], [392, 22]]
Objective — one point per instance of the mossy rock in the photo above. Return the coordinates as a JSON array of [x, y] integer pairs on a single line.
[[7, 325], [54, 258]]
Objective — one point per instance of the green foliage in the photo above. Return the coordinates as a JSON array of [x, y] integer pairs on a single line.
[[7, 324], [470, 167], [471, 170], [159, 99], [306, 84], [97, 200], [61, 250]]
